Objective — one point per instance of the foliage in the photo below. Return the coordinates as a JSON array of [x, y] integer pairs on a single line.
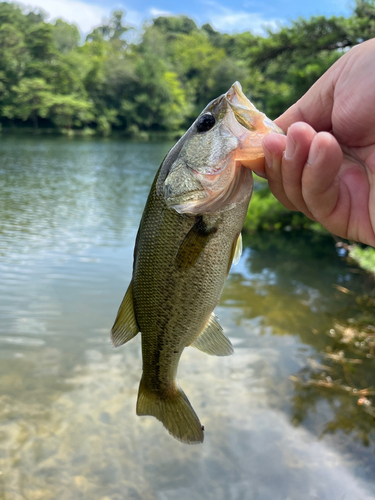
[[49, 77], [267, 213], [365, 257], [66, 36]]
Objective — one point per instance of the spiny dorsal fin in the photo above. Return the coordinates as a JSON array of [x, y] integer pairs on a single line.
[[194, 244], [125, 327], [212, 340]]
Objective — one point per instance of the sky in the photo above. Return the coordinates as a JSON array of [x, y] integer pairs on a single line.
[[229, 17]]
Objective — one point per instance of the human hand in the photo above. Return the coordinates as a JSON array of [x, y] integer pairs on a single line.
[[325, 166]]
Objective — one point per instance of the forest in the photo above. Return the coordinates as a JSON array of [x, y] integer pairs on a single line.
[[51, 79]]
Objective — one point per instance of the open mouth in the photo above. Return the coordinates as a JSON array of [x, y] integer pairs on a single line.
[[243, 109], [246, 113]]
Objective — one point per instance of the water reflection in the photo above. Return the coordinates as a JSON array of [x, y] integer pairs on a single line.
[[51, 192], [334, 379], [68, 428]]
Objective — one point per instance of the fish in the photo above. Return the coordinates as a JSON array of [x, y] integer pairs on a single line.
[[188, 238]]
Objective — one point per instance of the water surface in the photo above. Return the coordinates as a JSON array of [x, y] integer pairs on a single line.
[[69, 212]]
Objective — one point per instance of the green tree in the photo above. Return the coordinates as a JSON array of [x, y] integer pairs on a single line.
[[66, 111], [30, 99], [112, 30], [160, 83], [171, 26], [66, 36], [195, 60]]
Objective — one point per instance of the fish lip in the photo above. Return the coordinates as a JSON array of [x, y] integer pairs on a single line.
[[237, 100], [245, 112], [236, 93]]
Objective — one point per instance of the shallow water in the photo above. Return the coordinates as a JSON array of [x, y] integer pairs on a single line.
[[69, 212]]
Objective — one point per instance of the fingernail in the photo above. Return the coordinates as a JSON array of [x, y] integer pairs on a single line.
[[268, 157], [313, 154], [290, 147]]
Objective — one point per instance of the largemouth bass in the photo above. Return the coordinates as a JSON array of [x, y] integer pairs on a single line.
[[189, 235]]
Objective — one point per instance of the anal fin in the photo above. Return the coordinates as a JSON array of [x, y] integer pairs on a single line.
[[125, 326], [212, 340]]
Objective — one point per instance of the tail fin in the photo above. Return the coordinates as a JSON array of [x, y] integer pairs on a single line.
[[174, 411]]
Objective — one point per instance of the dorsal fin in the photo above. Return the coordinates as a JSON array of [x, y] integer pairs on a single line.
[[125, 326], [212, 340]]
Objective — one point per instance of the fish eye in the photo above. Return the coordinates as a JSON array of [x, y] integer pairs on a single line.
[[205, 122]]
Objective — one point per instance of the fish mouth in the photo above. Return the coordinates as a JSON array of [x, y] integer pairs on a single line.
[[250, 127], [246, 113]]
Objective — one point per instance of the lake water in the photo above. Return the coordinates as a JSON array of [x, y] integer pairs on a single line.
[[283, 416]]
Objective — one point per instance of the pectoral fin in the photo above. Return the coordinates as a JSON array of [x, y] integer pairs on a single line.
[[125, 327], [194, 244], [212, 340], [236, 252]]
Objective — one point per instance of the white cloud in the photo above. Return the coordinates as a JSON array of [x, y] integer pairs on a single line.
[[228, 20], [88, 16], [157, 12], [84, 15]]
